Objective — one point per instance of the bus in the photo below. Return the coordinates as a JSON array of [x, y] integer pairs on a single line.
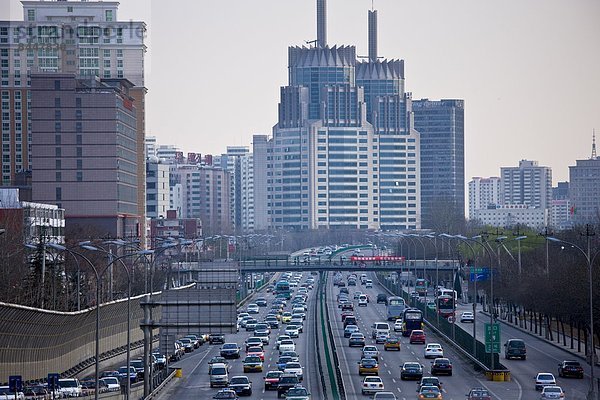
[[282, 290], [395, 308], [445, 305], [421, 287], [411, 320], [448, 292]]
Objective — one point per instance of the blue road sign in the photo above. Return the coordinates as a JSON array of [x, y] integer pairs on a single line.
[[15, 383], [479, 274], [53, 381]]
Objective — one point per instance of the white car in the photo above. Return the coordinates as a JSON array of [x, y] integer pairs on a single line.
[[398, 325], [362, 300], [467, 316], [280, 338], [385, 396], [543, 379], [294, 368], [433, 350], [253, 308], [292, 331], [287, 345], [370, 352], [552, 392], [112, 383], [69, 387], [371, 385]]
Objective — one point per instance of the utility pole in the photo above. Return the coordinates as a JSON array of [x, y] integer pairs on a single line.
[[547, 233], [589, 232]]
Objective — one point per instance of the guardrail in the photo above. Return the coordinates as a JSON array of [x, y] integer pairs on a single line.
[[338, 371], [318, 347]]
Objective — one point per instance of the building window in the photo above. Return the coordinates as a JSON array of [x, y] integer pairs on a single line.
[[58, 164], [59, 177], [79, 176], [78, 102], [79, 152], [57, 102], [79, 164], [56, 85], [70, 9], [58, 193], [58, 152], [57, 139], [30, 15], [109, 15]]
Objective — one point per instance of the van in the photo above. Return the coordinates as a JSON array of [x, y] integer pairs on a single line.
[[69, 387], [380, 328], [515, 348], [219, 375]]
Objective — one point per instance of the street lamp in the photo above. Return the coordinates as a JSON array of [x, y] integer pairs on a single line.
[[590, 261]]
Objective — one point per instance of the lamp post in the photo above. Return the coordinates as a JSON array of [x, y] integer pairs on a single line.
[[590, 261], [418, 238]]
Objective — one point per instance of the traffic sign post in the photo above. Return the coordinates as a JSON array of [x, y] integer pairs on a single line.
[[492, 338], [479, 274], [53, 383], [15, 384]]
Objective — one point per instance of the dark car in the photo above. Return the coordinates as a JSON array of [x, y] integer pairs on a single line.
[[216, 338], [515, 348], [241, 385], [357, 339], [429, 381], [261, 302], [570, 368], [286, 382], [230, 350], [441, 366], [349, 320], [411, 370], [382, 298], [479, 394]]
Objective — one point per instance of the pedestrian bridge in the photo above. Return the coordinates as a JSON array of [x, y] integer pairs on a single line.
[[269, 265]]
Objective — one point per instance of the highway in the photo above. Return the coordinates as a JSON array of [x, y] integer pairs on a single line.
[[454, 387], [195, 381]]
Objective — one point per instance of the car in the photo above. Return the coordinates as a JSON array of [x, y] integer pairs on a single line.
[[286, 317], [256, 351], [385, 396], [108, 373], [369, 284], [287, 345], [543, 379], [515, 348], [381, 337], [263, 334], [382, 298], [241, 385], [433, 350], [349, 330], [570, 368], [273, 322], [217, 360], [346, 314], [411, 370], [467, 316], [253, 308], [291, 354], [356, 339], [298, 321], [431, 305], [195, 340], [219, 375], [282, 362], [279, 339], [441, 366], [261, 302], [254, 341], [133, 375], [292, 331], [347, 306], [139, 368], [286, 382], [161, 360], [251, 324], [69, 387], [368, 366], [378, 328], [479, 394], [552, 392], [294, 367], [391, 343], [357, 295], [230, 350], [271, 379], [350, 320], [398, 325], [417, 336], [429, 392], [372, 385], [370, 351], [363, 301], [188, 345], [297, 393], [253, 364], [429, 381], [226, 394], [216, 338], [112, 383]]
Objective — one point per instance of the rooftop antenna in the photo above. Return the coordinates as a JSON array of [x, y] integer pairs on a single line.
[[594, 156], [321, 23], [372, 35]]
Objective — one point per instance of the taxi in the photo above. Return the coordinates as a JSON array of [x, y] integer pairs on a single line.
[[253, 364], [368, 366], [391, 343], [286, 317]]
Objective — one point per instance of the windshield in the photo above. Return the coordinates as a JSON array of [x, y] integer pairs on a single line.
[[413, 315], [218, 371], [238, 380], [297, 392], [517, 344], [69, 383]]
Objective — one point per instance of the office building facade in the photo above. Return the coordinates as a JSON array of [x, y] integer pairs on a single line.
[[584, 191], [157, 188], [441, 129], [508, 216], [84, 143]]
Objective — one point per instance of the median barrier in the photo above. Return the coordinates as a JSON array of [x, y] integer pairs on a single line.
[[498, 375]]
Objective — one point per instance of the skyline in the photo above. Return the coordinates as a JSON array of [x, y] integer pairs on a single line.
[[513, 92]]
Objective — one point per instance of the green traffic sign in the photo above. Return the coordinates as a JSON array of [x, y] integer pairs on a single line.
[[492, 338]]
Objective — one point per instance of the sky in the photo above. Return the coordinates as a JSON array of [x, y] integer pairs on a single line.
[[528, 70]]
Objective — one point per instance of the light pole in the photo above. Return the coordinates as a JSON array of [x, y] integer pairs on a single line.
[[590, 261], [418, 238]]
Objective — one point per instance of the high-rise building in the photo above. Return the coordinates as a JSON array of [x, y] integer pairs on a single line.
[[441, 128], [151, 146], [84, 38], [260, 151], [584, 189], [561, 191], [84, 148], [483, 193], [157, 188], [232, 163], [343, 154], [247, 193], [560, 215], [527, 184]]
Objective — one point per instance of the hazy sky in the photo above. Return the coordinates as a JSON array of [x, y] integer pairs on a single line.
[[528, 70]]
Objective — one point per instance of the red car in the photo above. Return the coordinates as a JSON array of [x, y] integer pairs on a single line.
[[417, 336], [346, 314], [256, 351], [272, 379]]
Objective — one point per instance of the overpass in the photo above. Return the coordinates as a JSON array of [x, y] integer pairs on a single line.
[[253, 266]]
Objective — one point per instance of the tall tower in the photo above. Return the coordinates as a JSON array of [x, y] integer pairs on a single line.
[[321, 23], [594, 156], [372, 35]]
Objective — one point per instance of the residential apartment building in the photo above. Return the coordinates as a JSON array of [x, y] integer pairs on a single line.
[[84, 148], [584, 191], [529, 184], [157, 188], [561, 216], [484, 193], [232, 162], [84, 38], [441, 129]]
